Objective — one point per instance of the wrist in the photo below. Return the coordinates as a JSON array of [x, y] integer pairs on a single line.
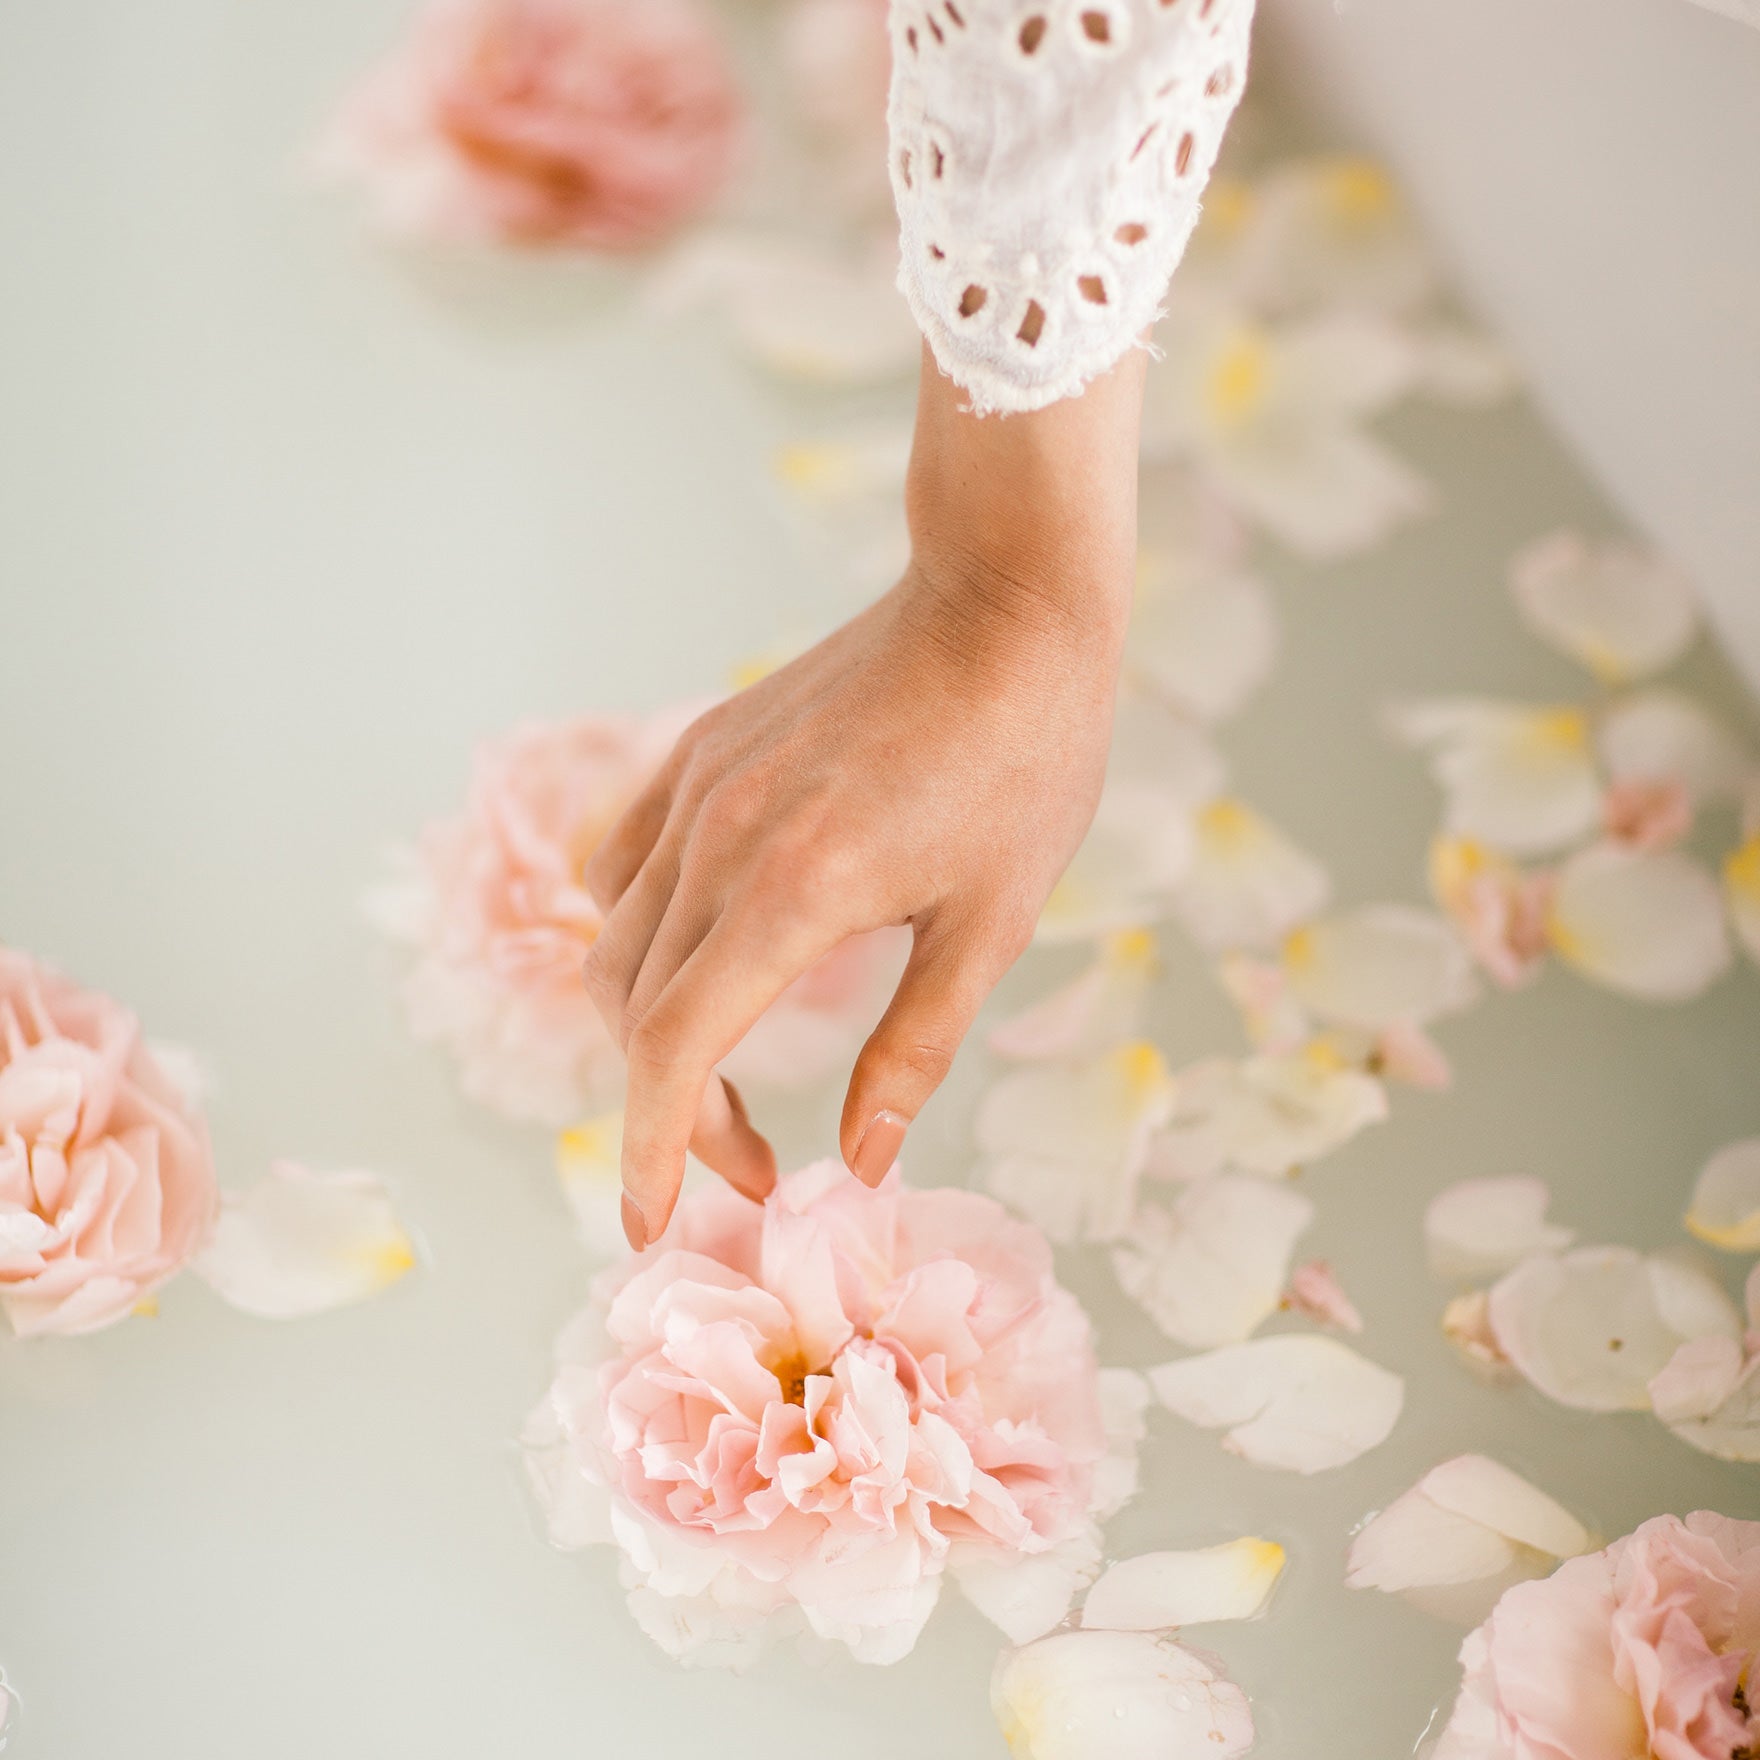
[[1031, 515]]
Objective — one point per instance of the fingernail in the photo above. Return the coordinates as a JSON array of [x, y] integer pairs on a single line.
[[879, 1147], [634, 1228]]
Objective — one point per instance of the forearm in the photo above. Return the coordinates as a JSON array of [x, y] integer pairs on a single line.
[[1035, 512]]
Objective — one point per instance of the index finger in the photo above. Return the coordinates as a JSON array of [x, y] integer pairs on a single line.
[[736, 971]]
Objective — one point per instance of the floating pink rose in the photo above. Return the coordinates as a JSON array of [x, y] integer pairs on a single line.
[[598, 124], [1644, 1649], [494, 903], [800, 1417], [106, 1180]]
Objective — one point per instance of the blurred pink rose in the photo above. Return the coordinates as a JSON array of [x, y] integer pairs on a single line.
[[799, 1416], [600, 124], [1644, 813], [1644, 1649], [494, 905], [106, 1180]]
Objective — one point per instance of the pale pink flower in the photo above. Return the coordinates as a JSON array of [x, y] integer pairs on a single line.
[[595, 124], [106, 1179], [1499, 911], [1643, 1649], [1645, 813], [494, 903], [800, 1416]]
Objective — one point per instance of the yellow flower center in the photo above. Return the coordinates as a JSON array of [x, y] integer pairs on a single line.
[[1741, 870], [1130, 950], [1558, 730], [1299, 949], [1225, 824], [1228, 206], [1141, 1068], [1239, 377], [1358, 192], [817, 469]]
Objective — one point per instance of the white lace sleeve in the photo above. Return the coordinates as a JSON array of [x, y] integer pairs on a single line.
[[1047, 159]]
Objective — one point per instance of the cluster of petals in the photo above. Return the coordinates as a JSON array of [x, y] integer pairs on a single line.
[[586, 124], [800, 1417], [1119, 1684], [1604, 793]]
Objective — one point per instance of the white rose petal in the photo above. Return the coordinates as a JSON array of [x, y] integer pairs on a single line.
[[1213, 1267], [1124, 1398], [1066, 1143], [299, 1242], [1620, 611], [1647, 923], [1295, 1401], [1384, 966], [1158, 1591], [1205, 642], [1266, 1114], [1481, 1227], [1467, 1519], [1662, 736], [1116, 1696], [1101, 1006], [1725, 1208], [1028, 1595], [1135, 854], [1248, 883], [1590, 1328], [1520, 779]]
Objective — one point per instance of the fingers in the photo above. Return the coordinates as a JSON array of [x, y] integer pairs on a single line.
[[738, 969], [950, 973], [614, 961], [627, 845]]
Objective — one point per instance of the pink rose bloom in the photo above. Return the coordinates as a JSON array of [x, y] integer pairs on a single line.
[[1640, 1652], [600, 124], [106, 1181], [798, 1417], [495, 906]]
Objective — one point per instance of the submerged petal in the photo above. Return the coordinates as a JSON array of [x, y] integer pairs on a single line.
[[1116, 1696], [1294, 1401], [1647, 923], [1159, 1591], [1591, 1328], [1725, 1209], [299, 1242], [1480, 1227], [1622, 612], [1469, 1518], [1026, 1596], [1213, 1267]]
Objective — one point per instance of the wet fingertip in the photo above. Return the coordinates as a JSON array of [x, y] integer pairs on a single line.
[[635, 1227]]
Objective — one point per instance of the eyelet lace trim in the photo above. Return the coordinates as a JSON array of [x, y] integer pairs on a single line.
[[1047, 161]]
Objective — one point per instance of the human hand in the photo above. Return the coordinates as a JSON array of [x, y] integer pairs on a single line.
[[935, 761]]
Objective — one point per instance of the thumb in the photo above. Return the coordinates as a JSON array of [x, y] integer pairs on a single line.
[[945, 983]]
